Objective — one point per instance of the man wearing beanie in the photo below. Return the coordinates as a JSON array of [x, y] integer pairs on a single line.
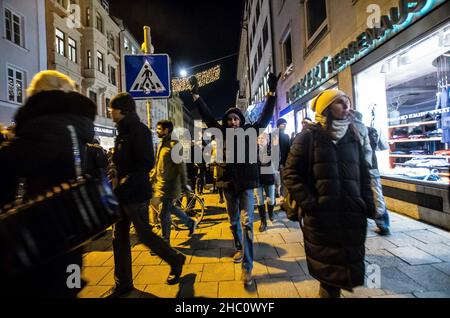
[[240, 179], [133, 159]]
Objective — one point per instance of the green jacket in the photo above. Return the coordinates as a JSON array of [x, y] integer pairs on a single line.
[[168, 177]]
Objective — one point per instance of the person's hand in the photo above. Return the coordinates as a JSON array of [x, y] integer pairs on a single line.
[[187, 189], [193, 82], [272, 82]]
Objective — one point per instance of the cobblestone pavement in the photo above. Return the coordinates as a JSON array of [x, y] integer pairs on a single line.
[[414, 262]]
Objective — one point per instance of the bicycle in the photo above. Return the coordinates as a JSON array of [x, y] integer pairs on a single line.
[[191, 204]]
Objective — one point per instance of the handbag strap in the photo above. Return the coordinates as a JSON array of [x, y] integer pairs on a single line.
[[76, 152]]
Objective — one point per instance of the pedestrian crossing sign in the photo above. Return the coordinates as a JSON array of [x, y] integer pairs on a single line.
[[148, 76]]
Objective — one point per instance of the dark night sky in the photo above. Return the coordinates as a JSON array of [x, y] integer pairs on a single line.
[[191, 32]]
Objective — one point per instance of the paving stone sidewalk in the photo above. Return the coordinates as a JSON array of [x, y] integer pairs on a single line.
[[414, 262]]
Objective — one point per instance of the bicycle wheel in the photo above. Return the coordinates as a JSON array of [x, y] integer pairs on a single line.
[[193, 206]]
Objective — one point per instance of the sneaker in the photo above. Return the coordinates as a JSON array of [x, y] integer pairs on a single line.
[[246, 278], [238, 256], [382, 231], [117, 292], [193, 227], [176, 270]]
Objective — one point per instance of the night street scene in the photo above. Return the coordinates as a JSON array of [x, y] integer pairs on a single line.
[[237, 156]]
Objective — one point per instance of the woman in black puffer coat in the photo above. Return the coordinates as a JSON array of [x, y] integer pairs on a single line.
[[329, 179], [41, 154]]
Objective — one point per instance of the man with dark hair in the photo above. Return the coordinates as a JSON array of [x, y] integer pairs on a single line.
[[239, 179], [133, 159], [170, 179]]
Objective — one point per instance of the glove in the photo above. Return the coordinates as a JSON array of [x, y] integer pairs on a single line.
[[272, 82], [187, 189], [193, 82]]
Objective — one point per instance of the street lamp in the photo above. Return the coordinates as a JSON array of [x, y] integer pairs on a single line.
[[183, 72]]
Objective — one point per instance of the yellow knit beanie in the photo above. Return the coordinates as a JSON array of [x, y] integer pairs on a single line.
[[324, 100]]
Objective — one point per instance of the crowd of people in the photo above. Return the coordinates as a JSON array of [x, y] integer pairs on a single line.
[[329, 169]]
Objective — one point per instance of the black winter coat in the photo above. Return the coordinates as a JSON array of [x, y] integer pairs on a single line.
[[241, 176], [334, 194], [134, 158], [285, 146], [42, 154]]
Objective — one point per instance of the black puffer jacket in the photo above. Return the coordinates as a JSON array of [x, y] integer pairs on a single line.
[[42, 154], [241, 176], [134, 158], [334, 193]]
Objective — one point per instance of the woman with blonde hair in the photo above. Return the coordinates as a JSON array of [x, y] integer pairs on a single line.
[[42, 156]]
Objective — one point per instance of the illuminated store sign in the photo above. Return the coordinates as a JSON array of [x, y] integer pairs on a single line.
[[398, 19]]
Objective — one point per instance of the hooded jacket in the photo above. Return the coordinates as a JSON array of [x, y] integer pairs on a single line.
[[239, 176]]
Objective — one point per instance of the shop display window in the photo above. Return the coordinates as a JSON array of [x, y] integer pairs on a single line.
[[405, 97]]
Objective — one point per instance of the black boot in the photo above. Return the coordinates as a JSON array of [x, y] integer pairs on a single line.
[[262, 216], [176, 268], [270, 209]]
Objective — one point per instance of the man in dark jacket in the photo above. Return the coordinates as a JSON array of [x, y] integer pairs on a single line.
[[133, 158], [239, 179], [285, 146]]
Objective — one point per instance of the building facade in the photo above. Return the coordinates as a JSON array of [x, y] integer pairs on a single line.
[[23, 51], [256, 58], [392, 59], [175, 111]]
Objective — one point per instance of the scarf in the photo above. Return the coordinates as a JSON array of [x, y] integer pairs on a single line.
[[339, 129]]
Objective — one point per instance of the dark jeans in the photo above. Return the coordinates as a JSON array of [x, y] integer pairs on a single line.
[[138, 214]]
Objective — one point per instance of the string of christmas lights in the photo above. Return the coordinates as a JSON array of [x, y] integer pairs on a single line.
[[204, 78]]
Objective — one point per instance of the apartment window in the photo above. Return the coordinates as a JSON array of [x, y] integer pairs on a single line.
[[255, 64], [15, 85], [265, 34], [60, 42], [287, 51], [108, 113], [316, 18], [89, 59], [13, 27], [111, 42], [254, 29], [88, 17], [100, 62], [72, 50], [99, 21], [112, 75], [93, 97]]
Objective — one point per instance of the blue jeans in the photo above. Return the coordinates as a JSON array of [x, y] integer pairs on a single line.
[[242, 232], [165, 215], [269, 191], [382, 216]]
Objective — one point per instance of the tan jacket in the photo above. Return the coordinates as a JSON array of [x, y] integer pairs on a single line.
[[168, 178]]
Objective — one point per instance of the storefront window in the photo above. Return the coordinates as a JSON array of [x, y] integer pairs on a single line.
[[405, 97]]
